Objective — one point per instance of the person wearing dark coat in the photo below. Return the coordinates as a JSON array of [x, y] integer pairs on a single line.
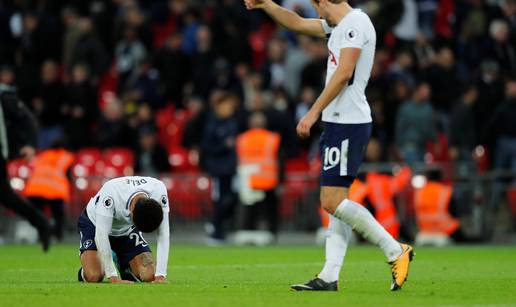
[[18, 135], [151, 157], [219, 160]]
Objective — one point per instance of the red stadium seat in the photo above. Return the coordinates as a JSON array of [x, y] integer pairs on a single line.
[[183, 160], [88, 161], [190, 195], [165, 116], [19, 168], [118, 162]]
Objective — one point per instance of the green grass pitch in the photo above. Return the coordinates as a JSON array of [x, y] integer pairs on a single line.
[[232, 276]]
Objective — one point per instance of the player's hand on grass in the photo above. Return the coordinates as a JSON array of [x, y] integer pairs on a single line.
[[159, 280], [117, 280], [254, 4], [305, 124]]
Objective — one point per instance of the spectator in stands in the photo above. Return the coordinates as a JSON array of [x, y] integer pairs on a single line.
[[219, 160], [274, 69], [445, 82], [415, 125], [490, 87], [312, 74], [151, 158], [80, 107], [130, 53], [89, 49], [462, 135], [296, 57], [174, 68], [114, 129], [143, 85], [501, 49], [402, 68], [504, 129], [47, 105], [71, 35], [204, 58], [195, 125], [407, 28]]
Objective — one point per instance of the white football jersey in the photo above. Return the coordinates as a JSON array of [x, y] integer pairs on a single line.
[[114, 197], [355, 30]]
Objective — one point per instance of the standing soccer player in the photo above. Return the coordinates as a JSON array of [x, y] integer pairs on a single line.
[[347, 118], [112, 224]]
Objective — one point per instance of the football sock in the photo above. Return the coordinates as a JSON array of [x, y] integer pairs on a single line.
[[80, 275], [363, 222], [129, 275], [337, 239]]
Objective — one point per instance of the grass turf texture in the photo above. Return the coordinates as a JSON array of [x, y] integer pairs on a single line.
[[231, 276]]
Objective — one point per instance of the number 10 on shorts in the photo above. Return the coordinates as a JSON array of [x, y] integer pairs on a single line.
[[334, 156]]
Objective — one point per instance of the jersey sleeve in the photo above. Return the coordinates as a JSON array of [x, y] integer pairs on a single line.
[[352, 34], [105, 200], [160, 194], [326, 27]]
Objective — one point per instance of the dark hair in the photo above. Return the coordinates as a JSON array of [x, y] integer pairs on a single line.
[[147, 214]]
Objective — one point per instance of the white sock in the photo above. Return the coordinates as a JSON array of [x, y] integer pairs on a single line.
[[362, 221], [337, 239]]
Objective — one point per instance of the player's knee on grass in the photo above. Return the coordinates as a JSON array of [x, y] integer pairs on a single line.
[[93, 275], [144, 267], [147, 274]]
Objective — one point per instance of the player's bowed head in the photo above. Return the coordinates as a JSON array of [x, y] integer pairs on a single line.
[[146, 214]]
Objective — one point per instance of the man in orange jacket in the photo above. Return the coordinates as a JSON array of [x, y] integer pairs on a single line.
[[49, 185], [258, 168]]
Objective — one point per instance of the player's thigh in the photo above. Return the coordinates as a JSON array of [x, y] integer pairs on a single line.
[[332, 196], [90, 261], [143, 266], [91, 266]]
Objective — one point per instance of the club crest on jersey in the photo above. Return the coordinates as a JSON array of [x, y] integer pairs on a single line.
[[351, 34], [87, 244], [108, 202]]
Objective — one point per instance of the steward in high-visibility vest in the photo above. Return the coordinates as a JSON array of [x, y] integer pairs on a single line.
[[49, 180], [258, 173], [257, 150], [431, 205], [49, 184]]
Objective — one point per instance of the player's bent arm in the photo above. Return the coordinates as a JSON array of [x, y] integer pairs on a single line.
[[163, 248], [102, 229], [338, 82], [289, 19]]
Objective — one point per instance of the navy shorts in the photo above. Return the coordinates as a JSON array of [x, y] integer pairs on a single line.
[[342, 149], [124, 247]]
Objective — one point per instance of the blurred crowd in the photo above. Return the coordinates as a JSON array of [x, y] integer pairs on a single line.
[[95, 73]]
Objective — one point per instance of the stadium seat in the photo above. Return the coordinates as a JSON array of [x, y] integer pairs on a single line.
[[190, 195], [183, 160], [88, 161], [118, 162], [19, 168]]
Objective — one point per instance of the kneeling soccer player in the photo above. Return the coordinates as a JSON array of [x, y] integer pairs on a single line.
[[112, 224]]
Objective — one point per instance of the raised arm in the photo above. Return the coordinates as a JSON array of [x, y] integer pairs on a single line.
[[287, 18]]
